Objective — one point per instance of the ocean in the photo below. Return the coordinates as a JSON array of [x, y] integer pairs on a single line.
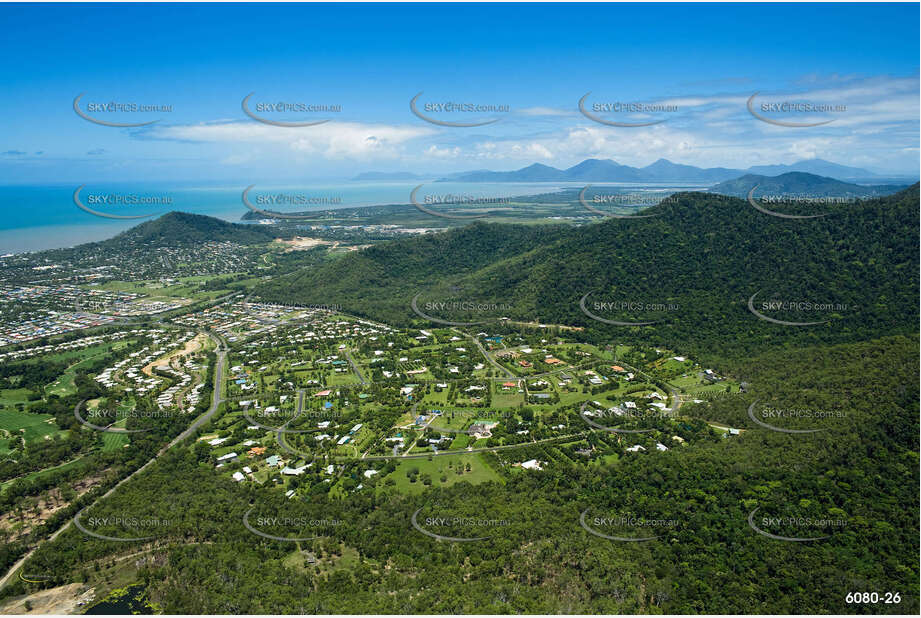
[[46, 217]]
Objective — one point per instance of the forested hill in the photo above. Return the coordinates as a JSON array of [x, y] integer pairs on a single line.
[[801, 184], [702, 255], [181, 228]]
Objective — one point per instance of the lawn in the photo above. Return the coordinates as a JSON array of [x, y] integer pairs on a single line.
[[446, 466], [112, 441], [36, 426]]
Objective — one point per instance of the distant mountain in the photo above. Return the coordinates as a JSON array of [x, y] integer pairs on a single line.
[[818, 167], [663, 170], [178, 228], [800, 184]]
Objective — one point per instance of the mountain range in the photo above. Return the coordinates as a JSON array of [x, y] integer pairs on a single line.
[[607, 170]]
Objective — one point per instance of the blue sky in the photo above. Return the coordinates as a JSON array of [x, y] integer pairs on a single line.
[[539, 60]]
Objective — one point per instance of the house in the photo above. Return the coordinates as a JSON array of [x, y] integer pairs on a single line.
[[325, 393], [273, 461], [635, 448], [247, 470], [227, 457], [481, 429], [293, 471], [370, 473], [661, 447], [508, 385], [531, 464], [238, 476], [256, 450]]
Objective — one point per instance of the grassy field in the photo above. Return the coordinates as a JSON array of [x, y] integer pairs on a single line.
[[186, 288], [442, 466], [11, 396], [114, 441], [31, 426], [64, 385]]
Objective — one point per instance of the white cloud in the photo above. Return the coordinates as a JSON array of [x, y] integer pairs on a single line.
[[333, 140]]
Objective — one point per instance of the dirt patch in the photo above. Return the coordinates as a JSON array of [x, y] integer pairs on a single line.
[[191, 346], [61, 600], [38, 509], [299, 243]]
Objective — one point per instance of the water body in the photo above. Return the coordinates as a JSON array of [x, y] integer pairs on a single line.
[[46, 217], [132, 601]]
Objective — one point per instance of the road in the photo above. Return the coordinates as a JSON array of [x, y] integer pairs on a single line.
[[485, 449], [361, 378], [216, 400], [489, 359]]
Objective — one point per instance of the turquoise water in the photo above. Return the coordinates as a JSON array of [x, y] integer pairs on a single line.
[[45, 217]]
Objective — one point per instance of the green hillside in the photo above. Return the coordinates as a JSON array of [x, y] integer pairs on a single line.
[[703, 256], [800, 184]]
